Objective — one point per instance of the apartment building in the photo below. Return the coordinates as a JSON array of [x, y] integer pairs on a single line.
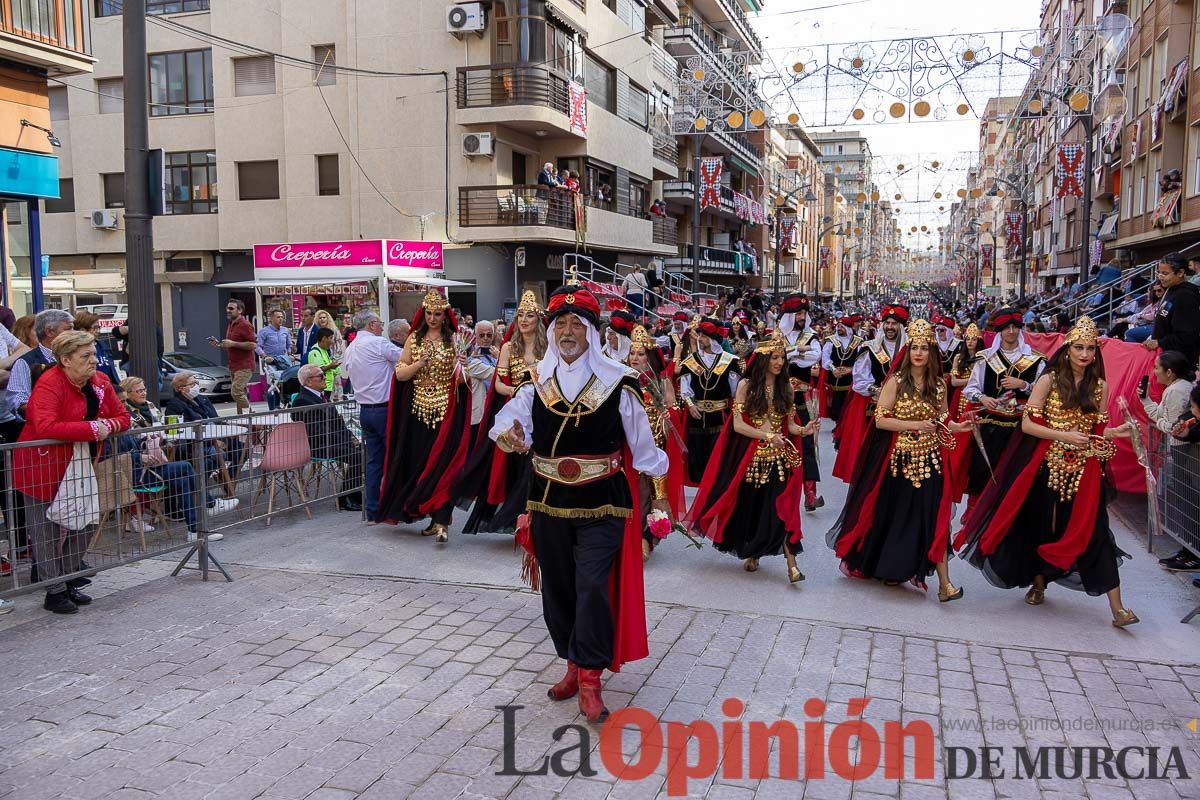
[[1152, 155], [714, 39], [803, 161], [422, 120], [858, 209], [41, 43]]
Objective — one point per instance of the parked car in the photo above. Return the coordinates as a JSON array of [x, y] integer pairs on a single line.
[[215, 380]]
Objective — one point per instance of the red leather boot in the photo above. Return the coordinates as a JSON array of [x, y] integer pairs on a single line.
[[812, 501], [590, 701], [568, 687]]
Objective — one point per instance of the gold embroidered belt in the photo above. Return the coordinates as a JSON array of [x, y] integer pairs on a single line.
[[573, 471], [711, 406]]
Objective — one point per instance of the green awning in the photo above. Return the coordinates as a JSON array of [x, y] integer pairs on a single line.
[[743, 165]]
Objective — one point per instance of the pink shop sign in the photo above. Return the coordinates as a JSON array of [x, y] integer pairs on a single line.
[[424, 255], [361, 253]]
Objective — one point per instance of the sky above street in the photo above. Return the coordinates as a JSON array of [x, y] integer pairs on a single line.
[[816, 32]]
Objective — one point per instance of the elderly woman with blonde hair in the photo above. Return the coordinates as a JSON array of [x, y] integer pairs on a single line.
[[71, 403]]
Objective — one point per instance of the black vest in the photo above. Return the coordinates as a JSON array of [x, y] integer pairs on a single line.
[[881, 363], [998, 366], [948, 356], [588, 428], [711, 384], [38, 364], [843, 357]]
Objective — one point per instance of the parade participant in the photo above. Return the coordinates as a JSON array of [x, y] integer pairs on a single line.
[[428, 423], [666, 420], [948, 344], [875, 362], [708, 379], [804, 354], [585, 425], [673, 340], [998, 388], [896, 523], [616, 338], [498, 482], [749, 500], [965, 357], [1045, 519], [739, 342], [837, 359]]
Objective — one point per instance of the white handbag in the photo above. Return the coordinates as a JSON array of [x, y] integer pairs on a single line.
[[76, 504]]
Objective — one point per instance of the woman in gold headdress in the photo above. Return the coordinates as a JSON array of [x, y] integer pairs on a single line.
[[1045, 518], [970, 351], [496, 481], [749, 500], [429, 423], [658, 398], [896, 523]]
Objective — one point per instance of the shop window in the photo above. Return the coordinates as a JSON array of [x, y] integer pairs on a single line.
[[326, 73], [112, 95], [65, 202], [258, 180], [181, 83], [253, 76]]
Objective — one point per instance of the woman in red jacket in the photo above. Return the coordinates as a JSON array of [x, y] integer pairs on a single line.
[[70, 402]]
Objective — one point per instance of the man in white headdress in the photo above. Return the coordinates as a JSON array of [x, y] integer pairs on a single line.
[[586, 428]]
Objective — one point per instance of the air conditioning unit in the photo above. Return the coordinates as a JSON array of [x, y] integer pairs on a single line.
[[104, 219], [465, 18], [478, 144]]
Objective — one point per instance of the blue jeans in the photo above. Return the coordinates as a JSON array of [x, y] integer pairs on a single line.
[[374, 427], [635, 303], [1139, 333], [180, 480]]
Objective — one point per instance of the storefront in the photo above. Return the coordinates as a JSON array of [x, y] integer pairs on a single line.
[[345, 277]]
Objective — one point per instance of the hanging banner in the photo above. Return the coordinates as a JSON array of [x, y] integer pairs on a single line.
[[741, 205], [823, 258], [580, 221], [1015, 225], [577, 109], [787, 232], [1095, 253], [846, 270], [1135, 140], [1069, 169], [986, 251], [710, 183], [757, 215]]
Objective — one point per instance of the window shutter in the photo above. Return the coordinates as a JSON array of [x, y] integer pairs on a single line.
[[325, 74], [253, 76], [112, 95], [58, 102]]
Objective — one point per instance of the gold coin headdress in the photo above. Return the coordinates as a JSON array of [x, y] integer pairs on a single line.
[[433, 301], [972, 332], [772, 344], [921, 332], [529, 303], [1084, 331], [641, 339]]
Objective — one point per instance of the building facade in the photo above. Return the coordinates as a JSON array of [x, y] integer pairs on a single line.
[[372, 121], [42, 43]]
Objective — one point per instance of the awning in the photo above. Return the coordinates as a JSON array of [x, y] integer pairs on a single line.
[[554, 15], [1108, 228], [743, 165], [420, 277], [263, 283]]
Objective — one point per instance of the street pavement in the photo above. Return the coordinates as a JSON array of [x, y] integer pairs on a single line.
[[348, 660]]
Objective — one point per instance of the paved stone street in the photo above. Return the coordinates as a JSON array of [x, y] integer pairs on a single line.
[[352, 661]]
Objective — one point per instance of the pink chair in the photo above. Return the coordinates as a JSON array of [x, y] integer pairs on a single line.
[[285, 455]]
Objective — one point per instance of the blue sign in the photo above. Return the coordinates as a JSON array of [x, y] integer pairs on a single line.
[[45, 266], [24, 174]]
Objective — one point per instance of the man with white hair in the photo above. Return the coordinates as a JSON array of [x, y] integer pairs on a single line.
[[26, 370], [397, 331], [370, 363], [328, 436], [585, 425], [480, 369]]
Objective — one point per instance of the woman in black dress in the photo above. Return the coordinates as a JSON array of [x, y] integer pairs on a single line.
[[749, 499], [1045, 518], [896, 523]]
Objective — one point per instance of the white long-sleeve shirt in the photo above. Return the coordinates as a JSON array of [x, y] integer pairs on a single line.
[[864, 379], [572, 378], [804, 358], [707, 359], [1165, 413], [827, 351]]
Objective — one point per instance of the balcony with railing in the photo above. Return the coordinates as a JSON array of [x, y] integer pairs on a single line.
[[665, 230], [713, 260], [515, 206], [51, 34], [530, 97], [691, 37]]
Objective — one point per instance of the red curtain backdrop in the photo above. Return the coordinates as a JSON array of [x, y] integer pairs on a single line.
[[1124, 365]]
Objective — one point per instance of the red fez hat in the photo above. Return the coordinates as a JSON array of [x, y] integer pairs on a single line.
[[846, 320], [898, 313], [623, 322], [681, 316], [1005, 317], [794, 302], [573, 300], [943, 320], [712, 328]]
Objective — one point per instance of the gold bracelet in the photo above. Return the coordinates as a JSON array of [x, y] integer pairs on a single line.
[[505, 443], [660, 487]]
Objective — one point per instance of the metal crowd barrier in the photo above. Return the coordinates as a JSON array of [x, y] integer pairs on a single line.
[[1176, 468], [150, 492]]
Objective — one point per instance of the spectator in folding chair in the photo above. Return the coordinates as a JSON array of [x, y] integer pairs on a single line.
[[222, 456], [328, 437]]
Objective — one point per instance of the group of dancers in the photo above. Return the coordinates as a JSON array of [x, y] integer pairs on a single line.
[[923, 420]]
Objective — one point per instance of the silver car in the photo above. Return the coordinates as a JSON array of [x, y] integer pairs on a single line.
[[214, 379]]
